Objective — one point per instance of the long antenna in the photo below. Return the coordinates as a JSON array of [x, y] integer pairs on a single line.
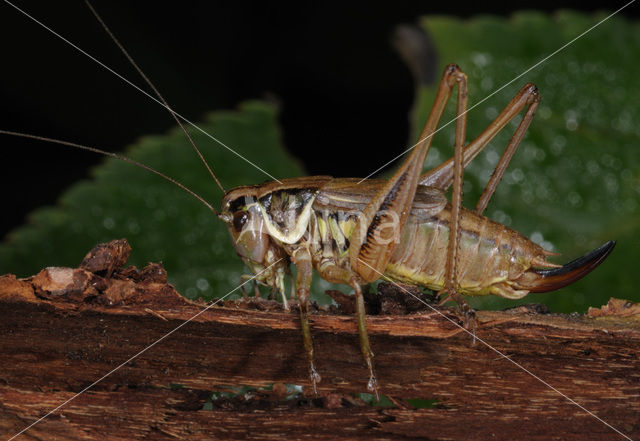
[[113, 155], [155, 90]]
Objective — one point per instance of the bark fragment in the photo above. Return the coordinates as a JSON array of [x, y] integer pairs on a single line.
[[232, 371]]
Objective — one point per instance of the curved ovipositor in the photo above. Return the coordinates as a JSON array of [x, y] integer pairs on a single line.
[[543, 280]]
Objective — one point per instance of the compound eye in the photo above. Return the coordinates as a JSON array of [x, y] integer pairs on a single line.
[[239, 219]]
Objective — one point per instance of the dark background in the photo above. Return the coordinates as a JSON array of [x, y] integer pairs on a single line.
[[339, 83]]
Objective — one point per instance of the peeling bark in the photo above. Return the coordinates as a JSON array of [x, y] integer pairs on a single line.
[[63, 329]]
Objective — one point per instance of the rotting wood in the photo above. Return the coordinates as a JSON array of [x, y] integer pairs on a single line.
[[65, 328]]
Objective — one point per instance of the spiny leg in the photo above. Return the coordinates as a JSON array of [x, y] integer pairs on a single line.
[[302, 260], [532, 99], [453, 76], [442, 176], [333, 273], [372, 241], [372, 384], [371, 249], [451, 274]]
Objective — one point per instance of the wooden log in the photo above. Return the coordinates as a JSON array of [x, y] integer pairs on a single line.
[[223, 373]]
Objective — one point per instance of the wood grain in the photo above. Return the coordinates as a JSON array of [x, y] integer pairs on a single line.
[[55, 343]]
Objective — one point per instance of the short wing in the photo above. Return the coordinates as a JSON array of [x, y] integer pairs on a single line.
[[349, 196]]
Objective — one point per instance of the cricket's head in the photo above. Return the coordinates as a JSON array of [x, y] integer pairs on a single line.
[[247, 227]]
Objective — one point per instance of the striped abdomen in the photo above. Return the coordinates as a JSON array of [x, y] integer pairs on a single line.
[[490, 255]]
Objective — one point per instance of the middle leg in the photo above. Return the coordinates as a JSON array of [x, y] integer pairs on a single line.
[[334, 273]]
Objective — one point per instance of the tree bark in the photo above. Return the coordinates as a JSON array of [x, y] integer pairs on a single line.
[[223, 374]]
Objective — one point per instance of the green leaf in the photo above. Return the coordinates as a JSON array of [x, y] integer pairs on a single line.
[[160, 221], [573, 184], [575, 180]]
